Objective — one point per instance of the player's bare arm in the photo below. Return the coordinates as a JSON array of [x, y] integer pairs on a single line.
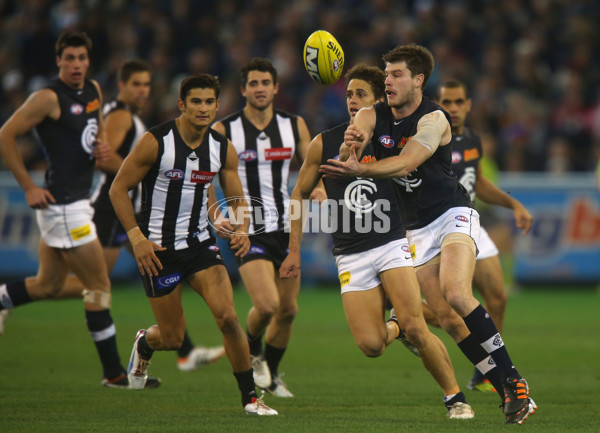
[[133, 170], [220, 223], [359, 132], [232, 187], [304, 141], [39, 106], [102, 151], [308, 178], [116, 125], [491, 194], [219, 127]]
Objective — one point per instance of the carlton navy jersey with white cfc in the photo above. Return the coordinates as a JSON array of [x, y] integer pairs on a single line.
[[466, 153], [366, 213], [175, 190], [264, 165], [432, 188], [69, 141], [100, 198]]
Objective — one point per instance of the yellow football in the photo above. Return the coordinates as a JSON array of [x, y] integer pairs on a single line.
[[323, 57]]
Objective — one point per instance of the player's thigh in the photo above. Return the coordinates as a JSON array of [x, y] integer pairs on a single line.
[[488, 278], [214, 285], [53, 268], [457, 265], [111, 255], [365, 310], [259, 278], [402, 288], [87, 262], [168, 312], [429, 283]]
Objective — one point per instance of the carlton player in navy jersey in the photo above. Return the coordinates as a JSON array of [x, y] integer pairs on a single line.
[[466, 156], [371, 250], [410, 135], [176, 163], [266, 140], [67, 117]]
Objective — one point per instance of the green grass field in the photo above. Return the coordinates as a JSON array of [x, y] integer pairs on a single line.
[[50, 375]]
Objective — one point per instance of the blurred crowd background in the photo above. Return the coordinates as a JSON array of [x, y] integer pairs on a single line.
[[532, 66]]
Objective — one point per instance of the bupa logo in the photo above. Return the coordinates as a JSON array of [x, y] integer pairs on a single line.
[[247, 155], [168, 281], [311, 55], [462, 218], [386, 141], [456, 157], [174, 174], [76, 109]]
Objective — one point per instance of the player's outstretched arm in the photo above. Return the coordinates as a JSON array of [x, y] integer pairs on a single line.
[[491, 194], [132, 171], [116, 126], [308, 178], [232, 187], [39, 105]]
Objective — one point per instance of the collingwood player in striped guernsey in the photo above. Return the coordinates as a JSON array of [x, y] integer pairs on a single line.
[[372, 256], [466, 156], [265, 141], [410, 135], [66, 115], [176, 163]]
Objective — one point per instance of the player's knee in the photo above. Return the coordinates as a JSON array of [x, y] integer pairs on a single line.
[[267, 308], [415, 333], [497, 302], [228, 322], [372, 347], [96, 297], [456, 297], [287, 313]]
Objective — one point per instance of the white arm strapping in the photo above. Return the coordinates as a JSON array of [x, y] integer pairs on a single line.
[[433, 130]]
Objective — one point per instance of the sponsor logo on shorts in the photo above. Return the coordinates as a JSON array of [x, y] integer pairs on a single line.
[[413, 251], [214, 248], [256, 250], [386, 141], [168, 281], [174, 174], [344, 278], [456, 157], [278, 153], [202, 176], [76, 109], [405, 248], [462, 218], [81, 232], [247, 155]]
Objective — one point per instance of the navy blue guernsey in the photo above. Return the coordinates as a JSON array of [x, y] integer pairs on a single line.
[[69, 141], [100, 197], [175, 190], [466, 153], [432, 188], [367, 206]]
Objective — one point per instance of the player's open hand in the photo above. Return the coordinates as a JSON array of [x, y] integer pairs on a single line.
[[523, 218], [240, 243], [336, 168], [38, 198], [353, 136], [223, 228], [101, 151], [290, 268], [145, 256]]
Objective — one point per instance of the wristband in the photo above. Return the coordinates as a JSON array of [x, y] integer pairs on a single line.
[[135, 236]]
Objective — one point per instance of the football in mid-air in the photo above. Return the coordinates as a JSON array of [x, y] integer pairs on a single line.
[[323, 57]]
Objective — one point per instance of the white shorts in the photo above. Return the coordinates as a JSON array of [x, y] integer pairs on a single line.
[[426, 242], [361, 271], [485, 245], [67, 225]]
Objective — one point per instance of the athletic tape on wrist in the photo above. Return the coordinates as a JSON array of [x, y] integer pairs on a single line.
[[135, 236]]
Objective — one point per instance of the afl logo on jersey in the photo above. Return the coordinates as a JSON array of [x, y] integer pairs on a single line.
[[174, 174], [386, 141], [247, 155], [76, 109], [456, 157]]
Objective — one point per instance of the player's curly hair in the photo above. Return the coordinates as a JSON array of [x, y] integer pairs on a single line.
[[199, 81], [419, 59], [372, 75]]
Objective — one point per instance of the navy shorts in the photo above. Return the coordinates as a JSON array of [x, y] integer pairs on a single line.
[[110, 231], [272, 246], [179, 265]]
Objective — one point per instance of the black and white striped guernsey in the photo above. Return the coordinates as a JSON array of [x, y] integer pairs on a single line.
[[100, 198], [175, 190], [264, 165]]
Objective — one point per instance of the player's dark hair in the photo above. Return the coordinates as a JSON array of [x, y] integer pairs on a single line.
[[199, 81], [131, 67], [72, 39], [258, 64], [372, 75], [419, 59], [453, 84]]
